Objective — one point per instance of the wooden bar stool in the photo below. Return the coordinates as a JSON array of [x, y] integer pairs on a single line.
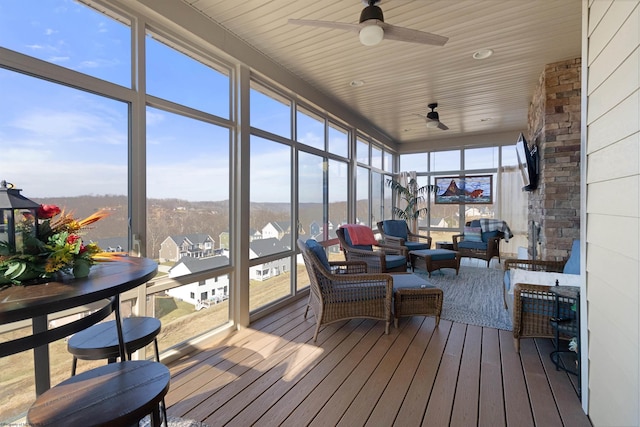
[[100, 341], [117, 394]]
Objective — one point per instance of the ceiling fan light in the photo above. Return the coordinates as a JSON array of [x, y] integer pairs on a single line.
[[432, 123], [371, 35]]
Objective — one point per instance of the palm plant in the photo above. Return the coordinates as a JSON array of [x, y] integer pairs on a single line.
[[413, 197]]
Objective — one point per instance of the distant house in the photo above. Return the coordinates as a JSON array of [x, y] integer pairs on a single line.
[[113, 244], [254, 234], [204, 293], [276, 229], [199, 245], [263, 247]]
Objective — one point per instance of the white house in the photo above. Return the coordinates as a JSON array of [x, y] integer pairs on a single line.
[[203, 293]]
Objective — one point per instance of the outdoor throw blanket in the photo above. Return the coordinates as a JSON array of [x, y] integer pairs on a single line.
[[496, 224], [360, 234]]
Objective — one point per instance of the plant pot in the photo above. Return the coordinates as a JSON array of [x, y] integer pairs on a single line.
[[81, 269]]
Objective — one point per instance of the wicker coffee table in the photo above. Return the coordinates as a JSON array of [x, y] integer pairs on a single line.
[[435, 259], [414, 296]]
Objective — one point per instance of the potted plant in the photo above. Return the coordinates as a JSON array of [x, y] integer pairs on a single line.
[[413, 197]]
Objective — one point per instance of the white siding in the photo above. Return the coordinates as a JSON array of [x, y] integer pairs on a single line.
[[613, 211]]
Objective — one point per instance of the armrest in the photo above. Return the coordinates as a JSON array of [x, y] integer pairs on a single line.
[[392, 240], [392, 250], [493, 244], [413, 237]]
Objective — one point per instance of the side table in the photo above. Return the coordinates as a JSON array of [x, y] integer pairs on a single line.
[[444, 245], [566, 322]]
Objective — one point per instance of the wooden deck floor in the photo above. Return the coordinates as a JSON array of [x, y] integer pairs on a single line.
[[272, 374]]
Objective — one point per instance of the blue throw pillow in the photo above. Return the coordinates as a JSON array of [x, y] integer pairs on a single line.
[[319, 252], [487, 235], [473, 234]]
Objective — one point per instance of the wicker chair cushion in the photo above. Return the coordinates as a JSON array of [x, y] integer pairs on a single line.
[[465, 244], [473, 234], [546, 278], [396, 228], [394, 261], [573, 263], [416, 246], [437, 254], [319, 252], [409, 281]]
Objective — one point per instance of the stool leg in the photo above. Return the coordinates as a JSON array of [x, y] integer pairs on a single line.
[[155, 417], [163, 405], [74, 365]]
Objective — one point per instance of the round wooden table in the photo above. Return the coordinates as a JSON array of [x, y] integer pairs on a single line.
[[106, 281]]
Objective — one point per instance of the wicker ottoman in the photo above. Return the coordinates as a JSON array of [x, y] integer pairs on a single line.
[[435, 259], [414, 296]]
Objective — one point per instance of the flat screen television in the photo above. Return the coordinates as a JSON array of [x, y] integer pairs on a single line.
[[528, 163]]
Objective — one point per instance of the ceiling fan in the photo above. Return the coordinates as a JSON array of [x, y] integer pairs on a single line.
[[372, 28], [433, 118]]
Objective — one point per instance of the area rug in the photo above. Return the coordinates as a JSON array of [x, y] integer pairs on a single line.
[[473, 297], [174, 422]]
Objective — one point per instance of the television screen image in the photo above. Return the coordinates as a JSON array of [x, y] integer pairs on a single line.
[[528, 163]]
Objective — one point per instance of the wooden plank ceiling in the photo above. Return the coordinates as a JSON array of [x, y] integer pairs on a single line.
[[474, 96]]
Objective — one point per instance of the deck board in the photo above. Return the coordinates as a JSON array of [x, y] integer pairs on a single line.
[[273, 374], [465, 405], [414, 405], [491, 402], [391, 400], [444, 388], [516, 398]]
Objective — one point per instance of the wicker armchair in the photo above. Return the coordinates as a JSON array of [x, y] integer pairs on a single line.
[[379, 258], [533, 304], [530, 265], [395, 232], [344, 290], [533, 308], [485, 250]]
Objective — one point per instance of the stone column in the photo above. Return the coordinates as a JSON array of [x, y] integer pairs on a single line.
[[554, 126]]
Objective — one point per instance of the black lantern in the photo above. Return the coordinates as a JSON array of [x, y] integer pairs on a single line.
[[18, 217]]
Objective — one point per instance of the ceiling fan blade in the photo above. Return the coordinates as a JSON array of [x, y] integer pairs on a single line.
[[326, 24], [442, 126], [392, 32]]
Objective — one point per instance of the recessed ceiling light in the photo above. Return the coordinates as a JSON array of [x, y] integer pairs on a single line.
[[486, 119], [356, 83], [482, 53]]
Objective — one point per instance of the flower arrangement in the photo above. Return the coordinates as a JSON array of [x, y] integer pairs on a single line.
[[57, 247]]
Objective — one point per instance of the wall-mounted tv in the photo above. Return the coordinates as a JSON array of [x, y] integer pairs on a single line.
[[528, 161]]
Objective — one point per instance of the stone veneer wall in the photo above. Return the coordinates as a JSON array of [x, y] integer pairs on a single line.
[[554, 125]]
